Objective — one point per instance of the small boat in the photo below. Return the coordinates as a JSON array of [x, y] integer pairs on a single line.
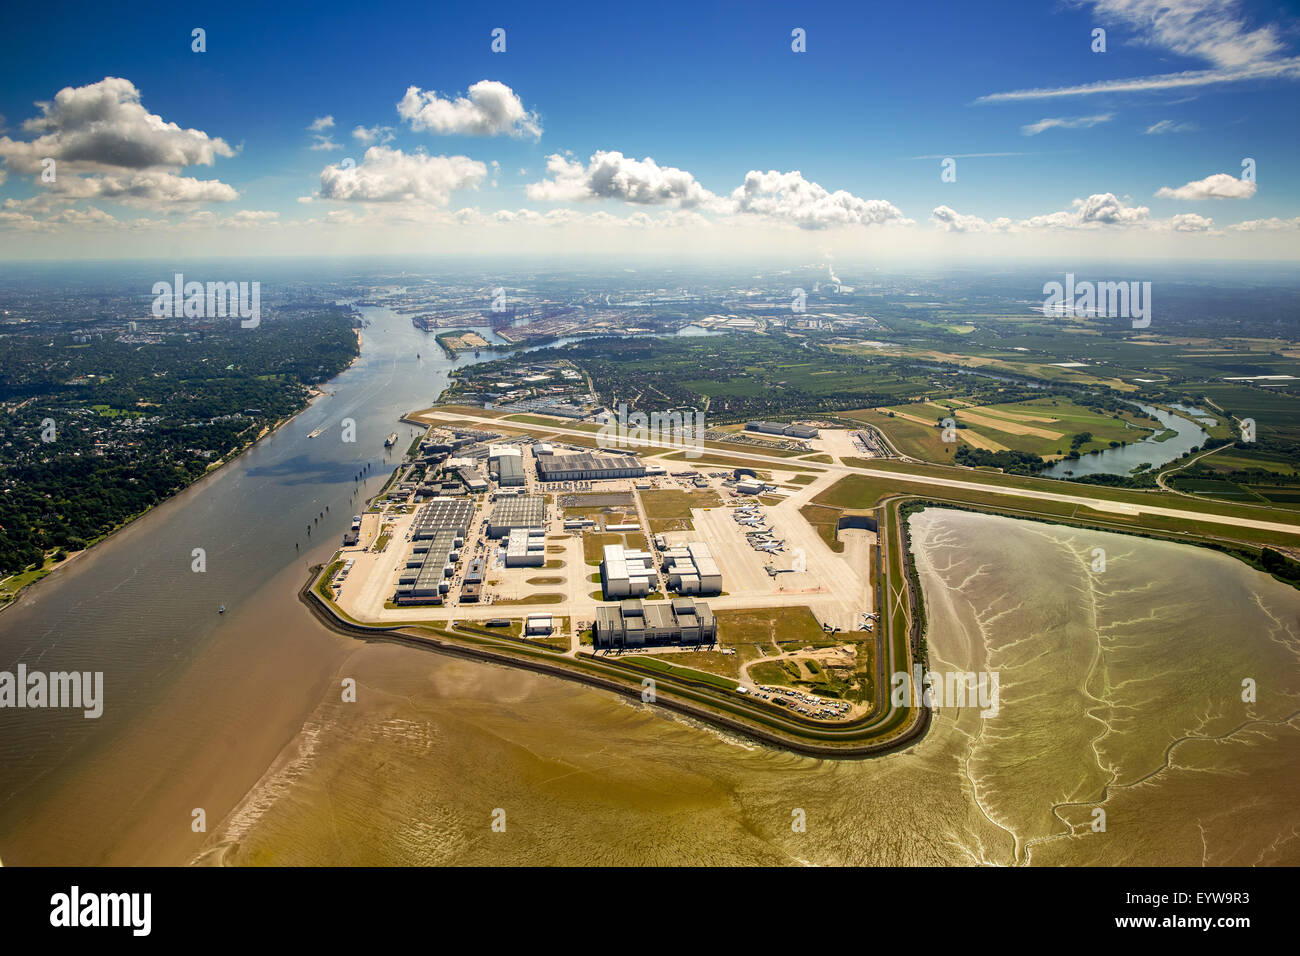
[[316, 433], [222, 609]]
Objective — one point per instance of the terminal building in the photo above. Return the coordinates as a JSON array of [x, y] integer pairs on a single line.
[[588, 467], [782, 428], [627, 573], [521, 511], [691, 569], [632, 623]]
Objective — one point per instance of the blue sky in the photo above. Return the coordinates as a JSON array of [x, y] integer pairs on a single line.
[[706, 93]]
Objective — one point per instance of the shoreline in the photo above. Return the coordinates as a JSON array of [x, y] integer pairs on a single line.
[[315, 392], [701, 708]]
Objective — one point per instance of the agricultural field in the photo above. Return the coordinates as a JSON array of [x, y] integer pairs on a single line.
[[1044, 427], [1247, 459], [1275, 411], [736, 377]]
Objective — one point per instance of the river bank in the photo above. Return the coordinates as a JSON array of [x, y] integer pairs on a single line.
[[187, 724], [314, 394]]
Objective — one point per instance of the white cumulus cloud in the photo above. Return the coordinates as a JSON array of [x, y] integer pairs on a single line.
[[781, 197], [1273, 224], [1216, 186], [788, 197], [389, 175], [490, 109], [373, 135], [947, 219], [611, 175], [104, 127], [1191, 222], [1098, 210], [145, 187]]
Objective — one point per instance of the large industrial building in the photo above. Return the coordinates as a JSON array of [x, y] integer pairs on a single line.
[[525, 548], [627, 573], [472, 479], [506, 465], [508, 472], [782, 428], [498, 451], [427, 577], [633, 623], [437, 535], [801, 431], [442, 514], [588, 467], [538, 625], [691, 569], [522, 511]]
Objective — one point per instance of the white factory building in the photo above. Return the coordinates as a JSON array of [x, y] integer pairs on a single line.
[[538, 625], [627, 573], [506, 465], [691, 569], [526, 548]]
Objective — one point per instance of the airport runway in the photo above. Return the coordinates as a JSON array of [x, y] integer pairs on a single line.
[[839, 469]]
